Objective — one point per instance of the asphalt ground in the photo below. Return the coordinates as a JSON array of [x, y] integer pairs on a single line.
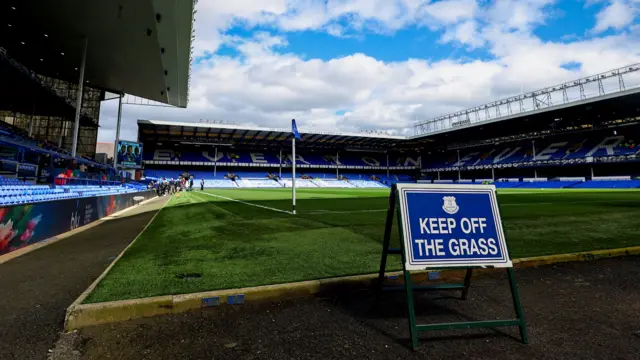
[[588, 310], [37, 288]]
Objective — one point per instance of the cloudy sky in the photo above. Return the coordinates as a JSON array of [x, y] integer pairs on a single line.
[[383, 64]]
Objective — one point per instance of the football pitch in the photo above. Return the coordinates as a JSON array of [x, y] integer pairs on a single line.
[[220, 239]]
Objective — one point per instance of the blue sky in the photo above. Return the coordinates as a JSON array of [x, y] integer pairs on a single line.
[[384, 64]]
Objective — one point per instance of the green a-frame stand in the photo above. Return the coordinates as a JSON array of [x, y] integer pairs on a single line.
[[409, 288]]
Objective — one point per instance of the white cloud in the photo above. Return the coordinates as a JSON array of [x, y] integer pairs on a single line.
[[519, 15], [464, 33], [267, 87], [450, 11], [334, 16], [617, 15]]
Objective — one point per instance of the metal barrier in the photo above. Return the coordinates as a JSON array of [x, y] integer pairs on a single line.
[[85, 181]]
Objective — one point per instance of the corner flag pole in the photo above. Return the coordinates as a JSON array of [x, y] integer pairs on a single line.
[[293, 179], [296, 134]]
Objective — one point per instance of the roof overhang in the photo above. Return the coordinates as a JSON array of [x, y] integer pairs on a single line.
[[547, 112], [138, 47], [252, 136], [613, 111], [27, 96]]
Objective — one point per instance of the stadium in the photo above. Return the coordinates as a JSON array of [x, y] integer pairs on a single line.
[[250, 208]]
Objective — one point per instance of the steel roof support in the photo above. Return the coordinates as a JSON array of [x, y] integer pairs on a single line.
[[540, 99], [115, 146], [76, 125], [621, 81]]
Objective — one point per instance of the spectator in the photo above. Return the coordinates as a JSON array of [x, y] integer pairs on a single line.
[[71, 167], [61, 179]]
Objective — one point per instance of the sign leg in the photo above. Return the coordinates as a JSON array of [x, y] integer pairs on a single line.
[[518, 306], [383, 265], [387, 240], [413, 331], [467, 283]]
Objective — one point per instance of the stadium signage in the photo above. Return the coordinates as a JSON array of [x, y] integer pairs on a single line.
[[452, 226], [461, 123], [447, 226]]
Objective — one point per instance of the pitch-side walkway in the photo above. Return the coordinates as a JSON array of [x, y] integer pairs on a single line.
[[37, 288], [587, 310]]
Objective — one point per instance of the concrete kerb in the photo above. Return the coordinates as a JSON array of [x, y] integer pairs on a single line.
[[93, 285], [82, 315]]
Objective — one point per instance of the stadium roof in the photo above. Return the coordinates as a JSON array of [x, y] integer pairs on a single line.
[[608, 111], [140, 47], [25, 94], [236, 135], [581, 93], [583, 116]]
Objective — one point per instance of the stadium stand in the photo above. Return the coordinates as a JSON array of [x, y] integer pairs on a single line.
[[256, 179], [366, 184], [13, 191], [263, 158], [559, 151]]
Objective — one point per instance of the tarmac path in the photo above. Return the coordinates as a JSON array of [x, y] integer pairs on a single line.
[[36, 288], [585, 310]]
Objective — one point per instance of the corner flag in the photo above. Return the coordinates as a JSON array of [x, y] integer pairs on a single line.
[[294, 129]]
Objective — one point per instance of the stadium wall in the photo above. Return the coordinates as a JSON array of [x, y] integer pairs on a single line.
[[24, 225], [631, 169]]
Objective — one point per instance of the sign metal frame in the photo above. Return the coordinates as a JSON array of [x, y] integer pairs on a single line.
[[397, 208]]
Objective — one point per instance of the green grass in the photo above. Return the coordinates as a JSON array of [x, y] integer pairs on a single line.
[[232, 244]]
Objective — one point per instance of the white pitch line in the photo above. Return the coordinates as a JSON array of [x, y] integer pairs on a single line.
[[319, 212], [246, 203], [570, 202]]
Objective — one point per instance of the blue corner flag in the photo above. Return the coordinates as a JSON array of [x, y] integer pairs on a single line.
[[294, 129]]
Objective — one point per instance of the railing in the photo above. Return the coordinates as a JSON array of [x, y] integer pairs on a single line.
[[562, 94], [84, 181], [20, 170]]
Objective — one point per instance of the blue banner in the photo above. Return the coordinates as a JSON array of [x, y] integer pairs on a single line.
[[23, 225], [451, 226], [129, 154]]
